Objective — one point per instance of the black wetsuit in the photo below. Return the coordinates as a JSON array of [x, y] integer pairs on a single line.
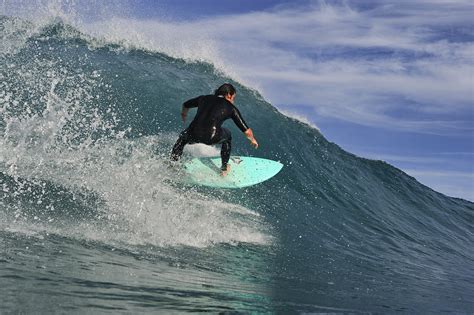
[[206, 126]]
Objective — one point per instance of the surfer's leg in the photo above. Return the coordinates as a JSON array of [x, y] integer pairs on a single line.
[[226, 140], [178, 148]]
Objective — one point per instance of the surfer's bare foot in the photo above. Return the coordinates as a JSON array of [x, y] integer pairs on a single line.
[[225, 172]]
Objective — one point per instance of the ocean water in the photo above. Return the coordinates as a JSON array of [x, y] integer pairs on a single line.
[[92, 219]]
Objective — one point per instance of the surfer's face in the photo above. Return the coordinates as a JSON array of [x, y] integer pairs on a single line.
[[230, 97]]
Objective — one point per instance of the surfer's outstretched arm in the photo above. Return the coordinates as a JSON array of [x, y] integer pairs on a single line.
[[249, 135], [194, 102], [240, 122]]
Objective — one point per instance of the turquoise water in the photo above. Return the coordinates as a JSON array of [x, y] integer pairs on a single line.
[[93, 220]]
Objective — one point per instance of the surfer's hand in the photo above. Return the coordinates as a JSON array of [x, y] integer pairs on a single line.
[[184, 113], [249, 135], [254, 143]]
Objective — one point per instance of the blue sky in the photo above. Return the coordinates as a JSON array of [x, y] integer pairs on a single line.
[[390, 80]]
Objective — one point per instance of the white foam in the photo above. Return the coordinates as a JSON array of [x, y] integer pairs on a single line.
[[300, 118], [202, 150], [141, 205]]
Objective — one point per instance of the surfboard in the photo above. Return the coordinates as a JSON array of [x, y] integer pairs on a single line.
[[244, 171]]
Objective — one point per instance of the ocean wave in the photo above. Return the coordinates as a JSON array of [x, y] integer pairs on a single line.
[[86, 128]]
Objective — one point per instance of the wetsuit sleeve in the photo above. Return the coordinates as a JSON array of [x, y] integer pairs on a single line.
[[194, 102], [238, 120]]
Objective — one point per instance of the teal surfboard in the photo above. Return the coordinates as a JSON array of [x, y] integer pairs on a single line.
[[244, 171]]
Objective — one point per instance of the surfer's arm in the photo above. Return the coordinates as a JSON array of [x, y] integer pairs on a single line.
[[239, 121], [194, 102]]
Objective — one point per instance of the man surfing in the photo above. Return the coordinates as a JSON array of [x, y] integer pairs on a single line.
[[206, 127]]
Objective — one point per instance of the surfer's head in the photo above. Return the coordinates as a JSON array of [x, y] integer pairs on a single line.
[[226, 90]]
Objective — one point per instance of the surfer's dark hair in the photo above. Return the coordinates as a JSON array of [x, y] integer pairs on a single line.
[[225, 89]]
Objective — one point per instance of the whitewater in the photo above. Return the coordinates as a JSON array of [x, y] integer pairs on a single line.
[[93, 220]]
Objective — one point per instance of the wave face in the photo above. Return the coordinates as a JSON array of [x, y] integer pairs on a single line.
[[93, 219]]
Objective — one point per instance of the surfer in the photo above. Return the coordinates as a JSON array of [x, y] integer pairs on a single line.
[[206, 127]]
